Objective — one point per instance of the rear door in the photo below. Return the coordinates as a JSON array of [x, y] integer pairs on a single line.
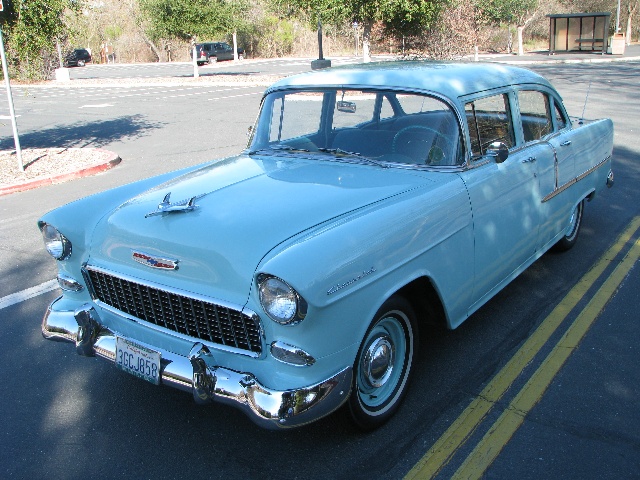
[[543, 128]]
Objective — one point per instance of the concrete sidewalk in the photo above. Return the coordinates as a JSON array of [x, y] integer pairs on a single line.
[[631, 53]]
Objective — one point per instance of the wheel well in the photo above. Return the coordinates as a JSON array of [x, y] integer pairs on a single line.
[[425, 301]]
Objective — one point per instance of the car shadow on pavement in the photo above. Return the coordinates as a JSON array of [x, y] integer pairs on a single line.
[[85, 134]]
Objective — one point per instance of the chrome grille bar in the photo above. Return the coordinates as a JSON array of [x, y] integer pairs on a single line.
[[177, 312]]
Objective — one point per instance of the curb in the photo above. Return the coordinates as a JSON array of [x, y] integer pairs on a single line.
[[559, 61], [63, 177]]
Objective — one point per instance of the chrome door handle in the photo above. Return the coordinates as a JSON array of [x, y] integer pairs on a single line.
[[566, 143], [529, 160]]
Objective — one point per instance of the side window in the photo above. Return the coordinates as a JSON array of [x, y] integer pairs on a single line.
[[561, 121], [535, 114], [386, 110], [489, 121], [420, 104], [295, 115]]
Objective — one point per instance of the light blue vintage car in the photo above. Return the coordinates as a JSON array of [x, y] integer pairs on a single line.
[[294, 278]]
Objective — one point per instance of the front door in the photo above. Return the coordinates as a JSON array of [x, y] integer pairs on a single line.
[[505, 197]]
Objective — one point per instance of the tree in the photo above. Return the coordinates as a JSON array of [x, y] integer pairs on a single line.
[[188, 19], [518, 13], [32, 28], [404, 16], [457, 33]]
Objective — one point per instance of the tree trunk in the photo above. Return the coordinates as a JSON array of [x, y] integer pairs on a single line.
[[631, 11], [520, 28], [366, 41], [152, 46]]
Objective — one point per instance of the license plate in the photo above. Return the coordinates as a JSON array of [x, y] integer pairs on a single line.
[[138, 360]]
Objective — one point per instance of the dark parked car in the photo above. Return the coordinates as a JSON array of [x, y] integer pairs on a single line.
[[213, 51], [77, 58]]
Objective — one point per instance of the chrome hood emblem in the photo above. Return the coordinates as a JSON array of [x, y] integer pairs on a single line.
[[167, 207], [154, 262]]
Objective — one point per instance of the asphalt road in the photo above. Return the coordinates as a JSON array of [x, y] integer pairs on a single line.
[[65, 416]]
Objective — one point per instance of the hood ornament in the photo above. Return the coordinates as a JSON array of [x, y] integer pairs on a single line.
[[167, 207]]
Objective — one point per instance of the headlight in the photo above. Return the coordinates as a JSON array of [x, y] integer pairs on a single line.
[[281, 302], [56, 244]]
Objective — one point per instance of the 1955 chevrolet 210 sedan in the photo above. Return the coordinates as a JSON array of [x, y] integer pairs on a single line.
[[293, 278]]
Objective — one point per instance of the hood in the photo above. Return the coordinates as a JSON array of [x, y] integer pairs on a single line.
[[242, 208]]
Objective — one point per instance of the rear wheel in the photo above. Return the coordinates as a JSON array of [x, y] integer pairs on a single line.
[[213, 60], [383, 364], [571, 234]]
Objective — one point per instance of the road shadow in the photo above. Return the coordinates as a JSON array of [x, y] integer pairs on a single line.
[[85, 134]]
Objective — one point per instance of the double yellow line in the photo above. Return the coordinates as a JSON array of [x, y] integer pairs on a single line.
[[503, 429]]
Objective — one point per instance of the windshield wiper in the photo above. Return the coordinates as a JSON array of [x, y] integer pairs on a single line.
[[340, 153], [279, 147]]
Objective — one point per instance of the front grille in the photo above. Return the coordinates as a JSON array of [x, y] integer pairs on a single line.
[[179, 313]]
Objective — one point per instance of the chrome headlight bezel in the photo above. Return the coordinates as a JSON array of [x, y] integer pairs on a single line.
[[57, 245], [280, 301]]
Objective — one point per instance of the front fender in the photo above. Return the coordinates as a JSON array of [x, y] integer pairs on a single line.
[[347, 269]]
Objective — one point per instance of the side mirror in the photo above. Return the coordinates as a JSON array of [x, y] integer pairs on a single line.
[[499, 151]]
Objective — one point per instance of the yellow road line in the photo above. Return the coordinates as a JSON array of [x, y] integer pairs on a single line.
[[458, 433], [512, 418]]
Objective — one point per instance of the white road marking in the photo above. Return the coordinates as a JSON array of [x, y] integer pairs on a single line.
[[28, 293], [101, 105]]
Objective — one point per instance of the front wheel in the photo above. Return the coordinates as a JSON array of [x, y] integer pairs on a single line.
[[571, 235], [383, 364]]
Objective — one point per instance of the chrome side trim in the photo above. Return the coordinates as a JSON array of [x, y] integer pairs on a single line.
[[559, 189], [198, 374]]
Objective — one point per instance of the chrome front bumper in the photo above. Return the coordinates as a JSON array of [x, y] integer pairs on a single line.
[[199, 375]]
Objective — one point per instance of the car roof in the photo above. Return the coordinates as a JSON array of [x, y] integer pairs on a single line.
[[450, 79]]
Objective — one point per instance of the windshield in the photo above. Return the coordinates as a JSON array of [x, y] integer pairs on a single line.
[[376, 125]]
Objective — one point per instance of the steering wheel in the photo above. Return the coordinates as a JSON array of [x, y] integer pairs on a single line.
[[420, 143]]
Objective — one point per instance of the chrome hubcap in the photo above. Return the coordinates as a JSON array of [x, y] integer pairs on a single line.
[[377, 363]]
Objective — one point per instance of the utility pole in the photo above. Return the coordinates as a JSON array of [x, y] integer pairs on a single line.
[[12, 112]]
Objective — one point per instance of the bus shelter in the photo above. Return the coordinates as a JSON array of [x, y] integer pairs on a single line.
[[579, 32]]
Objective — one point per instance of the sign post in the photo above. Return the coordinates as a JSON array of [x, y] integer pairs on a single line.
[[12, 112]]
